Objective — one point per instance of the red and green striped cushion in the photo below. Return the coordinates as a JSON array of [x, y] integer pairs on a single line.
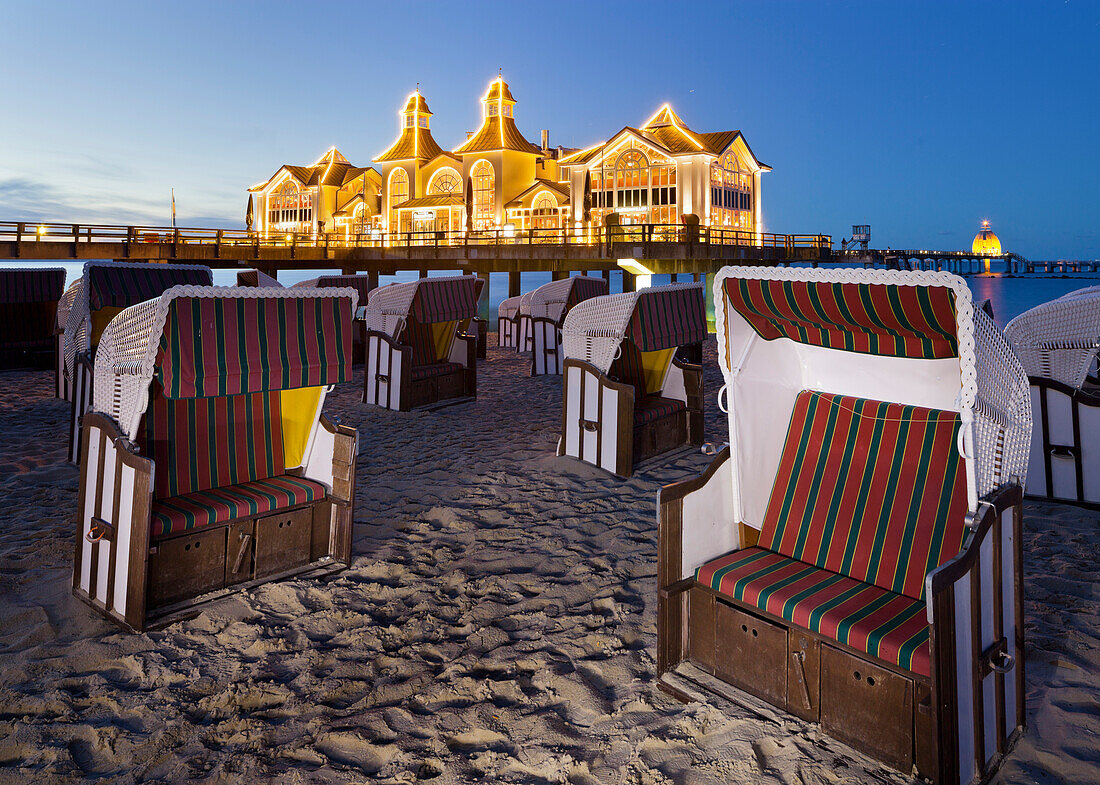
[[201, 443], [418, 335], [584, 288], [216, 346], [654, 407], [664, 319], [872, 490], [627, 368], [881, 623], [883, 319], [221, 505], [435, 369]]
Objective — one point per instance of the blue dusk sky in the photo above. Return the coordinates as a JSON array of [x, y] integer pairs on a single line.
[[920, 118]]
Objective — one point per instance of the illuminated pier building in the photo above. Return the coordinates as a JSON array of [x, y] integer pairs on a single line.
[[661, 172]]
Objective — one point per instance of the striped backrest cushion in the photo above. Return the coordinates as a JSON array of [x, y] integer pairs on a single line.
[[665, 317], [419, 336], [872, 490], [629, 369], [203, 443]]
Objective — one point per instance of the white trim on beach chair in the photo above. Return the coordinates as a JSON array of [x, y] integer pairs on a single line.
[[508, 323], [162, 525], [64, 388], [818, 365], [524, 338], [408, 366], [547, 309], [1058, 343], [120, 284], [652, 403]]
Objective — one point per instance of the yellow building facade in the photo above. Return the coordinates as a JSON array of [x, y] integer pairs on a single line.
[[498, 182]]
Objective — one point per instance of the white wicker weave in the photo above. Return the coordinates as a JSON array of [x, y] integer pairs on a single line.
[[509, 308], [65, 304], [126, 357], [594, 329], [993, 399], [79, 322], [525, 303], [548, 301], [388, 306], [1059, 339]]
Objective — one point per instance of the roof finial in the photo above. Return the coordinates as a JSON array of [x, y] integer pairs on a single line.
[[418, 88]]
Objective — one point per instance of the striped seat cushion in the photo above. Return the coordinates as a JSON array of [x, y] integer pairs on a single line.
[[419, 336], [177, 514], [435, 369], [654, 407], [872, 490], [881, 623]]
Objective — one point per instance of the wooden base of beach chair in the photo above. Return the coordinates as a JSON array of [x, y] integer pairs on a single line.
[[507, 333], [81, 402], [1064, 464], [547, 357], [390, 381], [951, 727], [135, 582], [480, 329]]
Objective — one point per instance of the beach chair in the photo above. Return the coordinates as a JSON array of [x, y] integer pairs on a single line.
[[257, 278], [1057, 343], [524, 337], [418, 350], [508, 323], [28, 313], [105, 289], [854, 557], [548, 307], [207, 466], [63, 389], [625, 397], [361, 284]]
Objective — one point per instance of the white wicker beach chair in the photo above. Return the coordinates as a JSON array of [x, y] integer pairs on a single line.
[[625, 397], [418, 351], [106, 288], [508, 323], [524, 337], [854, 556], [1058, 344], [63, 386], [547, 308], [207, 465]]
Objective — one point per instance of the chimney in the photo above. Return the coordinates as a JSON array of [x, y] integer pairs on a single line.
[[545, 140]]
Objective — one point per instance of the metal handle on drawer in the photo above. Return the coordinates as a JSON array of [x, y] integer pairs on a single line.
[[100, 530], [1007, 663]]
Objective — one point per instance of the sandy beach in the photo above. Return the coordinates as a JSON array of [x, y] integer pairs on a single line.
[[498, 624]]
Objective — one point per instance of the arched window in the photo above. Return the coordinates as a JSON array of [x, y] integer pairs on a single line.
[[632, 180], [731, 200], [289, 206], [484, 196], [359, 219], [397, 192], [544, 212], [445, 181]]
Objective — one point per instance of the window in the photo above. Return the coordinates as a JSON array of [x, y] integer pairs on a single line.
[[544, 212], [396, 193], [731, 198], [423, 122], [288, 207], [484, 196], [637, 181], [445, 181]]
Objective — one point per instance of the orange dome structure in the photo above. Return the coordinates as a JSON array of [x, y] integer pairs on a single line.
[[985, 242]]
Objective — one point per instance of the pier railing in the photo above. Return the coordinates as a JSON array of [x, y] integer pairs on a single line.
[[499, 236]]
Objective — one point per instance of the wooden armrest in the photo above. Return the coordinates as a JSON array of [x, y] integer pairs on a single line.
[[673, 589], [678, 490]]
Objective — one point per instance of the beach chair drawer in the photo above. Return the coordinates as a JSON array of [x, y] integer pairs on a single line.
[[185, 567], [867, 706], [240, 543], [750, 653], [283, 541], [803, 676]]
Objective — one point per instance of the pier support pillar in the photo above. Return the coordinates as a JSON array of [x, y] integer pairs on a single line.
[[708, 298], [483, 301], [513, 285], [423, 272], [559, 275], [372, 281], [630, 282]]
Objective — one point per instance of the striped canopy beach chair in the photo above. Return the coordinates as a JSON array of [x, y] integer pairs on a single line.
[[1057, 343], [28, 312], [547, 309], [106, 288], [418, 350], [508, 323], [854, 556], [207, 465], [257, 278], [625, 396]]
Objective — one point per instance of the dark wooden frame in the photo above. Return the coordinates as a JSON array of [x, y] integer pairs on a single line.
[[662, 435], [1078, 397], [324, 554], [413, 394], [935, 705]]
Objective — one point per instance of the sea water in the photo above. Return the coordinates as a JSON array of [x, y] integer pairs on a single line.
[[1010, 295]]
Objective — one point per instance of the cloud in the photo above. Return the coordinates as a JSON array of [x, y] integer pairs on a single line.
[[22, 199]]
